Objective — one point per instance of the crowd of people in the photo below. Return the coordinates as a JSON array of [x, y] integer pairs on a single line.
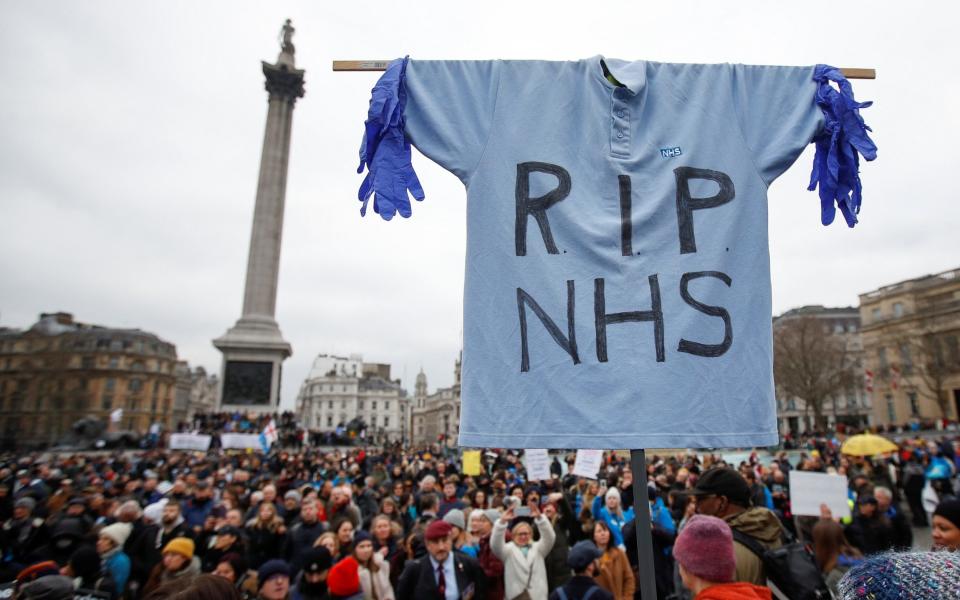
[[400, 524]]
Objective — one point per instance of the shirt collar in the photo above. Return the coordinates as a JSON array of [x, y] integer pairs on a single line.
[[632, 74]]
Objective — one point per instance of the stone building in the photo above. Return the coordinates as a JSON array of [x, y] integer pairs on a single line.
[[852, 406], [436, 417], [911, 331], [196, 393], [339, 389], [59, 371]]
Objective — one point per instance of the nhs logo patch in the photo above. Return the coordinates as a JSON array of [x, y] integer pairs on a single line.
[[670, 152]]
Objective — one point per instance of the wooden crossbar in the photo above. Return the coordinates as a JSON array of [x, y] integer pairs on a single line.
[[381, 65]]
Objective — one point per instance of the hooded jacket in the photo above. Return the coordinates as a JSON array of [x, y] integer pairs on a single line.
[[762, 525]]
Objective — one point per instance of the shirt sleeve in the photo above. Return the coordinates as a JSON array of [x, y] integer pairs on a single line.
[[777, 112], [450, 106]]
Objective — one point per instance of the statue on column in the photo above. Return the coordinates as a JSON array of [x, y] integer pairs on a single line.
[[286, 37]]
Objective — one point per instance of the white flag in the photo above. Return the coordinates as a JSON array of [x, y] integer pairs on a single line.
[[116, 415]]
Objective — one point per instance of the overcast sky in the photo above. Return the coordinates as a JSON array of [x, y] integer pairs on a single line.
[[130, 136]]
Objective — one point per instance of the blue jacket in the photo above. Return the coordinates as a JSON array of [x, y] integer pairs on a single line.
[[119, 567]]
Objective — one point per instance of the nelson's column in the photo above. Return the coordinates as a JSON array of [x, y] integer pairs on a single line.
[[254, 349]]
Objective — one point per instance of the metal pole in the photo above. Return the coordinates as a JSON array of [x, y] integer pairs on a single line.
[[641, 509]]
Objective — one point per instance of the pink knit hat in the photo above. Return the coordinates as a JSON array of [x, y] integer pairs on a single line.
[[705, 549]]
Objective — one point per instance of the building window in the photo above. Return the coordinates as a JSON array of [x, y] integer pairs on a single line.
[[386, 421], [87, 362], [906, 359], [343, 403], [106, 403], [330, 405], [876, 314], [373, 405], [897, 309], [329, 420], [110, 385], [344, 388], [114, 362], [135, 385], [360, 404], [882, 358], [386, 405], [891, 410], [914, 405]]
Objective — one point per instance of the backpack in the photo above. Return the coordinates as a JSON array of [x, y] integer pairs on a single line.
[[791, 567]]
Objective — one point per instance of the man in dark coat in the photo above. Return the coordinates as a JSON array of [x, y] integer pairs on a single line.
[[433, 576], [302, 535]]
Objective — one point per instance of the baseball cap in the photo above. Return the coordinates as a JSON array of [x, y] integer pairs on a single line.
[[724, 482]]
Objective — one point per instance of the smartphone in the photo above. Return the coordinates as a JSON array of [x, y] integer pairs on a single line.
[[523, 511]]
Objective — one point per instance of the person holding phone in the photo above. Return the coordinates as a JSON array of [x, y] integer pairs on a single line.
[[525, 572]]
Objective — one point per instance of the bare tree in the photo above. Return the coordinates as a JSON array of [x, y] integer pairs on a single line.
[[929, 359], [811, 364]]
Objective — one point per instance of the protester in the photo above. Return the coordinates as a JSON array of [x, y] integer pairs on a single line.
[[481, 527], [705, 553], [614, 573], [834, 554], [303, 534], [343, 582], [582, 560], [374, 571], [273, 580], [441, 574], [946, 525], [871, 531], [110, 547], [723, 493], [523, 559], [312, 581], [266, 535], [85, 568], [178, 562]]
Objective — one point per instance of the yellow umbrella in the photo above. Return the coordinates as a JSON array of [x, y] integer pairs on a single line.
[[867, 444]]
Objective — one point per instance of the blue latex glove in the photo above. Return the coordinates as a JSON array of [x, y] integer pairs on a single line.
[[385, 150], [836, 165]]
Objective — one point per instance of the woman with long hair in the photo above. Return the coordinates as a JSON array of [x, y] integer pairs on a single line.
[[615, 517], [479, 500], [834, 554], [344, 531], [266, 534], [374, 571], [329, 541], [615, 574], [386, 535]]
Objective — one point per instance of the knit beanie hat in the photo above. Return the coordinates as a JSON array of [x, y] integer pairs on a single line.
[[154, 511], [492, 515], [26, 502], [118, 532], [272, 568], [344, 578], [612, 492], [705, 549], [949, 510], [85, 561], [181, 545], [454, 516], [903, 575], [361, 536]]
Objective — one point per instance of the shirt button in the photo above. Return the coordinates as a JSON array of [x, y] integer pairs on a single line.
[[619, 134]]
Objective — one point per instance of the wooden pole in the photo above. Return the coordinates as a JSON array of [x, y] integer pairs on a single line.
[[641, 510], [381, 65]]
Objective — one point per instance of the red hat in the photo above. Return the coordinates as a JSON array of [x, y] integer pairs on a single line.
[[705, 549], [437, 530], [344, 577]]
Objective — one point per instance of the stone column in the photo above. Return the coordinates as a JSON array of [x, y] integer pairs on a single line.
[[254, 349]]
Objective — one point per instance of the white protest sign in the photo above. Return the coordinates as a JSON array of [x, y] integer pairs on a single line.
[[588, 463], [538, 464], [241, 441], [189, 441], [809, 490]]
